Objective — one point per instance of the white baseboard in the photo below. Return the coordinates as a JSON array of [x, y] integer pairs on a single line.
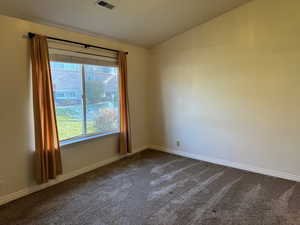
[[29, 190], [255, 169]]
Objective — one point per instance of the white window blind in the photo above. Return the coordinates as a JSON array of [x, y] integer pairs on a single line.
[[67, 56]]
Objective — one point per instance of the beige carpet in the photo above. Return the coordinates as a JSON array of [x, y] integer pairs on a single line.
[[154, 188]]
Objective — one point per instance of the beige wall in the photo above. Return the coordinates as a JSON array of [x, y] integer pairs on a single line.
[[16, 133], [230, 89]]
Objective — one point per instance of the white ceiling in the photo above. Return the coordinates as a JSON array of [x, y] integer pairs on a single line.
[[142, 22]]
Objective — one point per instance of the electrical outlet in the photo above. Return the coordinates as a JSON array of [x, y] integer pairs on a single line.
[[177, 143]]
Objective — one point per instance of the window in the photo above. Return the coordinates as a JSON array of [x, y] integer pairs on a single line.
[[86, 99]]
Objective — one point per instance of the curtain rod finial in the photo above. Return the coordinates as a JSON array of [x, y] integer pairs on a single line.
[[31, 35]]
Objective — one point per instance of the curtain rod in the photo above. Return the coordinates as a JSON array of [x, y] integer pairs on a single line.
[[31, 35]]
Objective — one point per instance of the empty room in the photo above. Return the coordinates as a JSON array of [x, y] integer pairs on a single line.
[[160, 112]]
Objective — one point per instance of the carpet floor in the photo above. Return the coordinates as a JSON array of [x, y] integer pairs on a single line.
[[155, 188]]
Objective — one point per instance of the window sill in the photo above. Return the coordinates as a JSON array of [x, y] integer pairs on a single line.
[[86, 138]]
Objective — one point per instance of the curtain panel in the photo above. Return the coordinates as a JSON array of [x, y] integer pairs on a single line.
[[125, 130], [47, 150]]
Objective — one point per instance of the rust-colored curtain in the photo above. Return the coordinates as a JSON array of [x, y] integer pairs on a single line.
[[47, 151], [125, 132]]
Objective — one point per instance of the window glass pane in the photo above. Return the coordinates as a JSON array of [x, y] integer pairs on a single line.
[[67, 88], [102, 99]]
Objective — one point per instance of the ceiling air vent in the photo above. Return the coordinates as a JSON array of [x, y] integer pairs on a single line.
[[105, 4]]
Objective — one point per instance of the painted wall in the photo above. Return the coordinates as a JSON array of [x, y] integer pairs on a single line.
[[230, 89], [16, 116]]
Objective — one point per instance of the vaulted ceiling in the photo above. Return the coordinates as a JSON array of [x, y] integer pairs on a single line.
[[141, 22]]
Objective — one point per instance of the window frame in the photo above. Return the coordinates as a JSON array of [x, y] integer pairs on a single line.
[[89, 136]]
